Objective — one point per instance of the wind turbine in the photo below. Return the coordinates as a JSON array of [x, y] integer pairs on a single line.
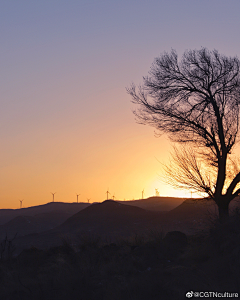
[[113, 197], [157, 192], [107, 192], [77, 197], [88, 199], [142, 193], [53, 195], [21, 201]]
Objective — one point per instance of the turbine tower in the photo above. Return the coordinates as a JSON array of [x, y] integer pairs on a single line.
[[142, 193], [77, 197], [113, 197], [107, 192], [53, 195], [88, 199], [21, 201]]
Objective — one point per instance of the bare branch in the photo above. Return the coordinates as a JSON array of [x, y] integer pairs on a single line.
[[195, 101], [185, 171]]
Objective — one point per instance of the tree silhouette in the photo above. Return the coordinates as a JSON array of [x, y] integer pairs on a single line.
[[196, 102]]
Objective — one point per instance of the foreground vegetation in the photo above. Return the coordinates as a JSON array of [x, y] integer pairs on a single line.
[[151, 266]]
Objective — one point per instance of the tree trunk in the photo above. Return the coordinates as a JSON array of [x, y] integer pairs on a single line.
[[223, 213]]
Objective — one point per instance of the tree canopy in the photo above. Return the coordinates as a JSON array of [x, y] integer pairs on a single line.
[[196, 102]]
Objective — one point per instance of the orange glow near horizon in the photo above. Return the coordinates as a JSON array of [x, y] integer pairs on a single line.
[[127, 166], [87, 158]]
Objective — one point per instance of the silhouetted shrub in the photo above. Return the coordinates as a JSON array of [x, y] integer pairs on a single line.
[[88, 241], [138, 268], [7, 248], [175, 242]]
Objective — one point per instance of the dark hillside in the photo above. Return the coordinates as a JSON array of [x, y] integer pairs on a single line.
[[149, 267], [155, 203], [23, 225], [199, 209], [110, 217], [70, 208], [192, 209]]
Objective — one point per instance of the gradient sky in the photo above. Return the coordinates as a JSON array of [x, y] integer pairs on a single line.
[[66, 119]]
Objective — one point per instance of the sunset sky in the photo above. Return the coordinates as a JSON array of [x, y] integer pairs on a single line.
[[66, 120]]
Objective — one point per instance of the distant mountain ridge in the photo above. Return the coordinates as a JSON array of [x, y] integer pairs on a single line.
[[45, 224], [36, 219], [71, 208], [109, 215], [111, 220], [156, 203], [151, 203], [108, 219]]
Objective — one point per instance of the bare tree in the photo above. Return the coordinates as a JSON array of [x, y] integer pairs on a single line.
[[196, 102]]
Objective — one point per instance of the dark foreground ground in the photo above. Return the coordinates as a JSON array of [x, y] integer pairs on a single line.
[[144, 267]]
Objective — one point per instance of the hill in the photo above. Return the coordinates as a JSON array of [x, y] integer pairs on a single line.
[[23, 225], [192, 209], [110, 217], [41, 218], [112, 220], [155, 203], [150, 267], [36, 219], [69, 208]]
